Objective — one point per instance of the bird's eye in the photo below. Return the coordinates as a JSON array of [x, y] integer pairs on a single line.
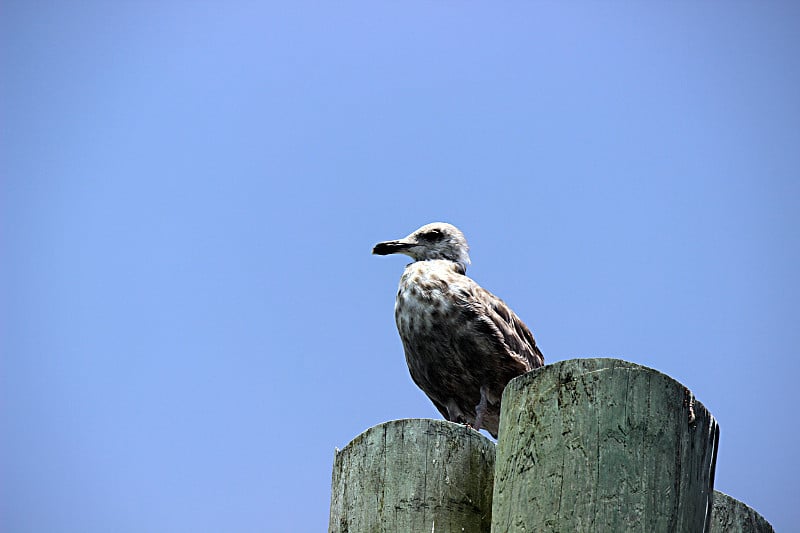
[[432, 235]]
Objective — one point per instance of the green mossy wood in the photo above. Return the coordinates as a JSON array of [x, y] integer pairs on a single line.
[[413, 475], [585, 445], [729, 515], [602, 445]]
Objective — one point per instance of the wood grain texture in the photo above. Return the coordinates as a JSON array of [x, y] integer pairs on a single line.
[[602, 445], [413, 475], [729, 515]]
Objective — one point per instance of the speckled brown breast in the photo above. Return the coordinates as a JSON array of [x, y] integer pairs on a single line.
[[430, 321]]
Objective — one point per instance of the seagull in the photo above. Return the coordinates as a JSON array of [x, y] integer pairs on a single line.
[[462, 343]]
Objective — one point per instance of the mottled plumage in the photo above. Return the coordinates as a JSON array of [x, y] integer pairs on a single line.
[[462, 343]]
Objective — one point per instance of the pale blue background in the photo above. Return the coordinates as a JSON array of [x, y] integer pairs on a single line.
[[191, 317]]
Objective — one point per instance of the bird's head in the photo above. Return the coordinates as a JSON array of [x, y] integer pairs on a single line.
[[438, 240]]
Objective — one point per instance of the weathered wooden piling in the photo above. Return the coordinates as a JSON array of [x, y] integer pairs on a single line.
[[585, 445], [413, 475], [729, 515], [602, 445]]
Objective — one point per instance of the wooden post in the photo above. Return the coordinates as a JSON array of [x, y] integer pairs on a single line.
[[413, 475], [602, 445], [732, 516]]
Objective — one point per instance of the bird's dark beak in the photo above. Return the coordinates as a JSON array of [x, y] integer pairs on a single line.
[[391, 247]]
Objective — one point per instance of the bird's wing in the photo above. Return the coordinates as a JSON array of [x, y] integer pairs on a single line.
[[515, 335]]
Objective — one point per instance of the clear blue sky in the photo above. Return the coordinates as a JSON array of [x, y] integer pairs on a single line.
[[191, 317]]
